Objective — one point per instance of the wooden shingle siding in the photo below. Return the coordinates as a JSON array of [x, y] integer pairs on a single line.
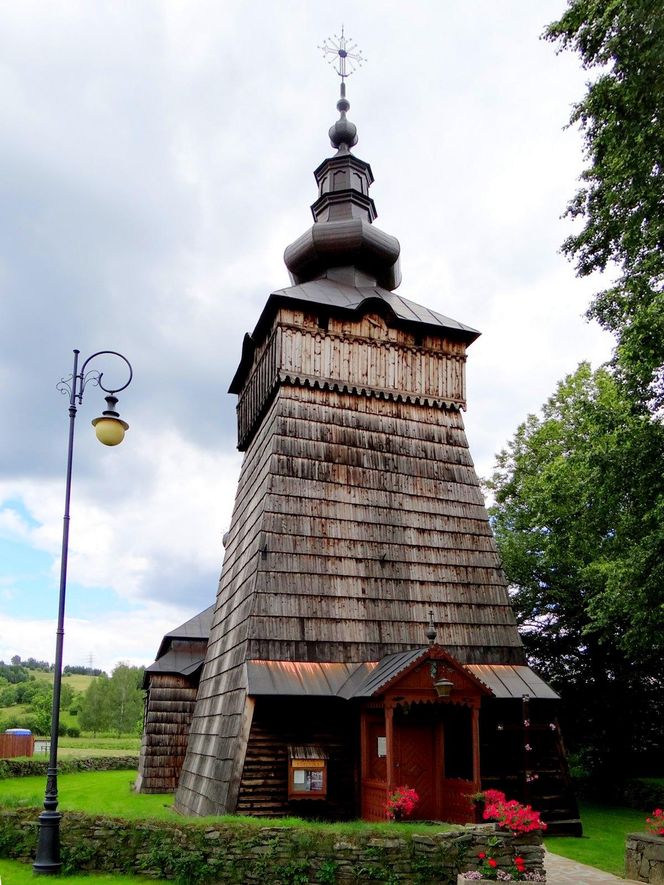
[[169, 709], [357, 511]]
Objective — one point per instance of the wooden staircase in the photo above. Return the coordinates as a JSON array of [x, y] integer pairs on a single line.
[[526, 759]]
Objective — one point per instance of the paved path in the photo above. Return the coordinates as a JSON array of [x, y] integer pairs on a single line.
[[561, 871]]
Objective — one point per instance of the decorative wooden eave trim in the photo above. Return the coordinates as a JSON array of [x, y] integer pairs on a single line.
[[300, 380], [335, 304]]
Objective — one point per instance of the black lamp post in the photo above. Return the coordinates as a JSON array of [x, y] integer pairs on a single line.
[[110, 430]]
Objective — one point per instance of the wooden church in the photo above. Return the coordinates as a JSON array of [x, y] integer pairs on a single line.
[[362, 636]]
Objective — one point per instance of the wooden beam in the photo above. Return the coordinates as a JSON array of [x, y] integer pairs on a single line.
[[475, 725], [389, 741]]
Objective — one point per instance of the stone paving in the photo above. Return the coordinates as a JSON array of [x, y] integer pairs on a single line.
[[561, 871]]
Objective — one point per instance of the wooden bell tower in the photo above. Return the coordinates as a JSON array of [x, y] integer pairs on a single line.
[[358, 512]]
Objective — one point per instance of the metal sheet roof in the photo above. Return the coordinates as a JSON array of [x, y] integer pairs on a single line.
[[512, 681], [365, 680], [334, 294], [387, 669], [303, 678]]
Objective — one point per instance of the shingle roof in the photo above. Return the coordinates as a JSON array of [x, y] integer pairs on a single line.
[[195, 628], [184, 661]]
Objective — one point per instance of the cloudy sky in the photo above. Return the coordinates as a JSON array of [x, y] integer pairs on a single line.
[[156, 159]]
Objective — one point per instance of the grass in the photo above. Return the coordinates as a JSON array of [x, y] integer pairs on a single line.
[[14, 873], [110, 793], [82, 747], [603, 842], [78, 681], [101, 792], [83, 744]]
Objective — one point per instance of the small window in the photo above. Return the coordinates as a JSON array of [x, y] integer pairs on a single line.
[[307, 772]]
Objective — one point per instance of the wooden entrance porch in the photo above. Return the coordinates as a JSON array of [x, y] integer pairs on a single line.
[[421, 729]]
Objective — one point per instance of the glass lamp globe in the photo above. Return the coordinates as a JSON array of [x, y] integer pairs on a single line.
[[110, 431], [109, 426]]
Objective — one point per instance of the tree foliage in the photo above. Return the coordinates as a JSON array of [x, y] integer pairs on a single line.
[[95, 711], [113, 704], [126, 698], [621, 198], [579, 520]]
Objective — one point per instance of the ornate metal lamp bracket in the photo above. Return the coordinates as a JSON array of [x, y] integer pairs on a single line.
[[74, 385]]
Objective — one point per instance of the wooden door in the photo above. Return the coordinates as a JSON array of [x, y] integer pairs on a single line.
[[418, 760]]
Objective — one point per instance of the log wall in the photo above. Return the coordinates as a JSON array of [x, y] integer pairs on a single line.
[[278, 722]]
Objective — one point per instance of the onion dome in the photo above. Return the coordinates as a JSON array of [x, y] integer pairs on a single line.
[[342, 243]]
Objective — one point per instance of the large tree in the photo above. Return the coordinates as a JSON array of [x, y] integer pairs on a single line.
[[621, 198], [95, 711], [579, 520], [126, 698]]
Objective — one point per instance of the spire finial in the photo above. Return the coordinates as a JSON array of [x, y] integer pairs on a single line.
[[344, 54], [431, 629], [346, 58]]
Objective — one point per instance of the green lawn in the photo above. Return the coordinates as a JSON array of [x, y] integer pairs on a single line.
[[101, 792], [603, 841], [14, 873], [82, 747], [110, 793]]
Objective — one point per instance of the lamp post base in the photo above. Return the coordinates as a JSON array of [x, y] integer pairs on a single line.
[[47, 861]]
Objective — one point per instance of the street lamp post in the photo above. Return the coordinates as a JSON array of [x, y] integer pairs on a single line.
[[110, 430]]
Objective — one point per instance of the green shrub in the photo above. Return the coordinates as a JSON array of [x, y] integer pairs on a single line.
[[30, 767], [644, 793]]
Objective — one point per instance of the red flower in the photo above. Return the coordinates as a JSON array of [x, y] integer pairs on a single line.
[[481, 855], [492, 862], [401, 803], [491, 796]]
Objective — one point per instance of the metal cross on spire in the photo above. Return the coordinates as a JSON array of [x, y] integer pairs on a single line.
[[345, 57]]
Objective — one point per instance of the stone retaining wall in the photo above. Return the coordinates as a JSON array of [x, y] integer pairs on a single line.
[[644, 858], [232, 853]]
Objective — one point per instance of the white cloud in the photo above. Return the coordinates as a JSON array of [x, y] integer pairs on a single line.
[[158, 160], [121, 533], [118, 637]]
